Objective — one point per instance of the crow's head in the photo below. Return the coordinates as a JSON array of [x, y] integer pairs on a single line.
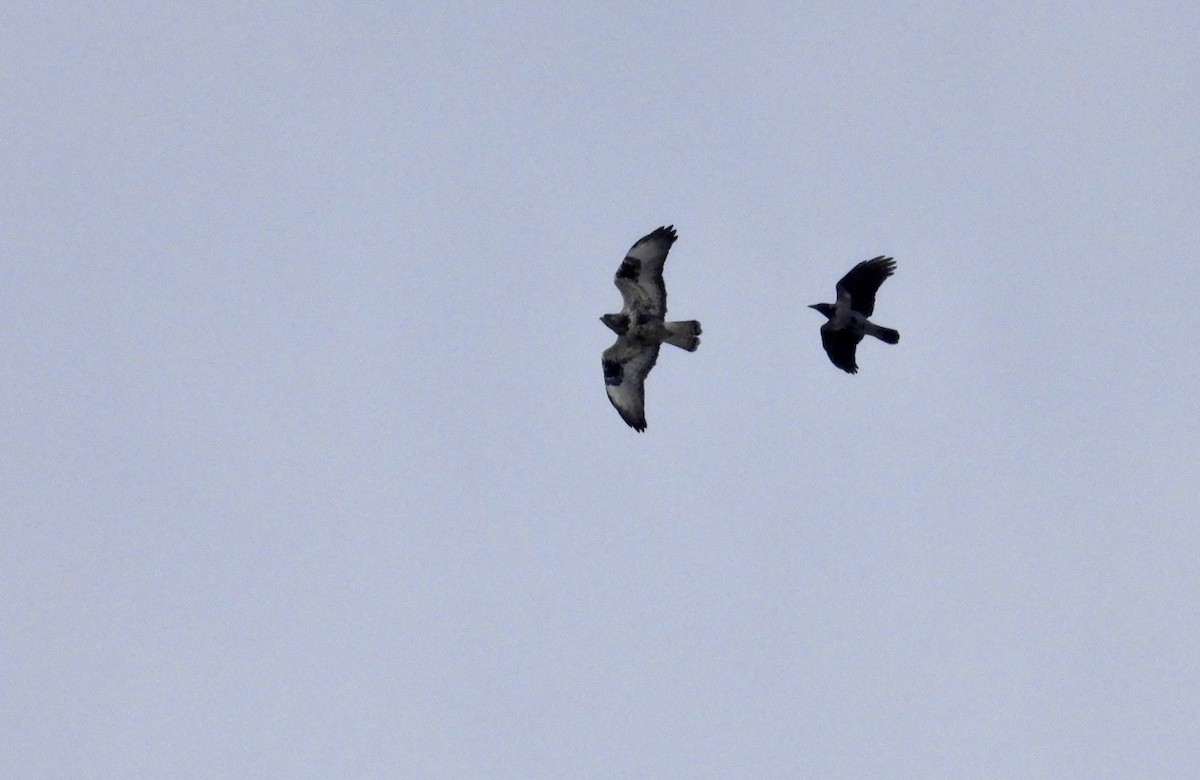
[[824, 308]]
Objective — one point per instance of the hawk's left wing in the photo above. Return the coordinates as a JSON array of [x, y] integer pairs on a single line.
[[626, 365], [640, 278]]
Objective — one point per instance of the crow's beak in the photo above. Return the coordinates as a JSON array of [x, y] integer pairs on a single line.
[[812, 306]]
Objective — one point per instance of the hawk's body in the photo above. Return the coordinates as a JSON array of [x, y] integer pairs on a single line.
[[641, 326], [848, 318]]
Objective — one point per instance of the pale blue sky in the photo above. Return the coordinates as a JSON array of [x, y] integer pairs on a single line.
[[306, 466]]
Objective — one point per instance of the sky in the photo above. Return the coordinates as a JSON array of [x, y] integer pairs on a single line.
[[306, 464]]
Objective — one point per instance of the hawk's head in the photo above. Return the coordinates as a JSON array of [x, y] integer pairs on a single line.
[[619, 323]]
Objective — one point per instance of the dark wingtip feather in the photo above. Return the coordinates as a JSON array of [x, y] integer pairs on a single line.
[[637, 423], [666, 232], [887, 264]]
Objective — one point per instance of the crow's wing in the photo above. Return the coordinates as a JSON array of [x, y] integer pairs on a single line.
[[640, 277], [840, 344], [626, 365], [862, 282]]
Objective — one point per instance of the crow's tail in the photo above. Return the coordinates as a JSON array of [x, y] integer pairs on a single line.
[[886, 335]]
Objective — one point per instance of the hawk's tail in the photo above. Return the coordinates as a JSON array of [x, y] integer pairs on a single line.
[[886, 335], [685, 335]]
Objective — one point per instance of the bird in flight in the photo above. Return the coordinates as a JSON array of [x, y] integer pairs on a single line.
[[847, 319], [641, 326]]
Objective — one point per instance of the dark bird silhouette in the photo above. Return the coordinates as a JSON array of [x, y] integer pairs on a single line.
[[641, 326], [847, 321]]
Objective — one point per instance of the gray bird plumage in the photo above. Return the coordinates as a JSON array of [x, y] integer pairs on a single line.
[[641, 326]]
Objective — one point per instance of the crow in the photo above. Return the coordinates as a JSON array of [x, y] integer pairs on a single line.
[[847, 319]]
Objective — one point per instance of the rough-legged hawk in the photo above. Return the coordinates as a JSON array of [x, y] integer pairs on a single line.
[[641, 327]]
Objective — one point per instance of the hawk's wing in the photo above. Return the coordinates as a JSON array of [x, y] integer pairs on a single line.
[[862, 282], [640, 278], [626, 364], [840, 344]]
